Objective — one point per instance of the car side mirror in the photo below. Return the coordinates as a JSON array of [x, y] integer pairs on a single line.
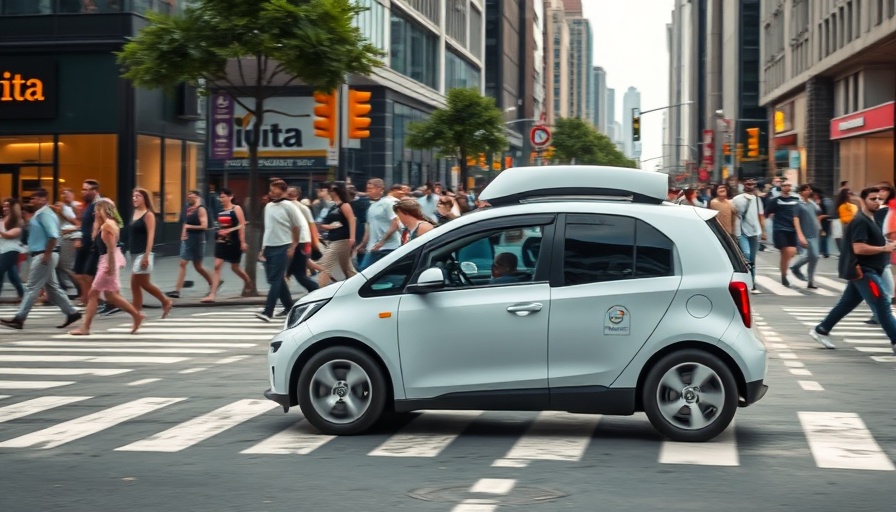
[[430, 280]]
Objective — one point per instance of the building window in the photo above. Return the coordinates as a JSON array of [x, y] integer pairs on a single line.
[[456, 20], [414, 51], [427, 8], [476, 32], [372, 22], [149, 167], [459, 72]]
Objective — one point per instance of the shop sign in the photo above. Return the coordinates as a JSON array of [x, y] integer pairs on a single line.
[[287, 129], [784, 118], [870, 120], [708, 148], [222, 127], [278, 163], [28, 88]]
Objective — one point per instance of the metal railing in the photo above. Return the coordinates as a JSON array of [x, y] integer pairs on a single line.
[[40, 7]]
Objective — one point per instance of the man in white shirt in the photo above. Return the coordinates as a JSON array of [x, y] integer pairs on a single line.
[[281, 237], [382, 234], [307, 236], [748, 224], [429, 201]]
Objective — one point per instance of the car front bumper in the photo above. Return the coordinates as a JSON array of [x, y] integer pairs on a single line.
[[283, 400]]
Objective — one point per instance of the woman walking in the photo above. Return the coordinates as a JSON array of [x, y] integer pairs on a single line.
[[110, 263], [411, 216], [143, 236], [230, 245], [340, 227], [11, 244]]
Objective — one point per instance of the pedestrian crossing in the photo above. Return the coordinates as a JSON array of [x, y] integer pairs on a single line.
[[833, 440], [770, 283], [852, 330]]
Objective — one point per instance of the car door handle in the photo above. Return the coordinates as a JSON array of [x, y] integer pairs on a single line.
[[525, 309]]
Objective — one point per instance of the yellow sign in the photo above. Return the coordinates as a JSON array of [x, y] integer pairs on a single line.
[[11, 88], [779, 121]]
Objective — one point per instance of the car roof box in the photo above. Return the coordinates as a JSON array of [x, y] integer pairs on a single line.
[[575, 182]]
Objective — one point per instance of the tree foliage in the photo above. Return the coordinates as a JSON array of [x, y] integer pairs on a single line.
[[576, 141], [469, 124], [251, 49]]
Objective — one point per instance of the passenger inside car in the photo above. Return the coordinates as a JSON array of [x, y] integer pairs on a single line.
[[504, 269]]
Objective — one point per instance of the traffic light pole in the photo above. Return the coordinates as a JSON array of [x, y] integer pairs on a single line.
[[342, 137]]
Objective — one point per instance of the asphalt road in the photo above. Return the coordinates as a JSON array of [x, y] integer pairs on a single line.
[[186, 428]]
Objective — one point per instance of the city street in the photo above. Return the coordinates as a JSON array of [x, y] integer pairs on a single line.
[[173, 418]]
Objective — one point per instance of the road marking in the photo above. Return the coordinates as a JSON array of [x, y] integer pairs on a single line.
[[113, 344], [555, 436], [787, 355], [778, 345], [773, 338], [28, 407], [174, 336], [721, 451], [875, 350], [33, 384], [228, 360], [840, 440], [830, 283], [776, 287], [884, 359], [86, 425], [867, 341], [427, 435], [299, 439], [119, 350], [823, 292], [201, 428], [93, 359], [501, 486], [765, 328], [100, 372], [800, 372], [794, 364], [810, 385], [193, 370], [142, 382], [476, 506]]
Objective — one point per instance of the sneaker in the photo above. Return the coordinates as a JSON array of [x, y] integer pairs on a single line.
[[823, 339], [755, 291], [798, 273], [13, 324], [108, 310], [282, 313], [812, 287], [872, 321], [173, 295], [263, 316], [70, 319], [785, 281]]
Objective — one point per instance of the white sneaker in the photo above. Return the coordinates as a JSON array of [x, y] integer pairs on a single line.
[[755, 291], [823, 339], [266, 318]]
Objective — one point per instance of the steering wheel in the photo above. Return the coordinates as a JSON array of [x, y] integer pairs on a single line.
[[455, 271]]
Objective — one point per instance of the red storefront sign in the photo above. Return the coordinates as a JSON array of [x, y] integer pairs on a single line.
[[870, 120], [708, 148]]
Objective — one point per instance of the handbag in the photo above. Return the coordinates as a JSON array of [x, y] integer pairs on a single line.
[[137, 269]]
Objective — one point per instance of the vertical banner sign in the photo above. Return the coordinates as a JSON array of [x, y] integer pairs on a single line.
[[222, 127], [708, 149]]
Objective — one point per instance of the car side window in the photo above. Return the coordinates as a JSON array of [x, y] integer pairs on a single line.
[[497, 257], [392, 280], [653, 252], [603, 249]]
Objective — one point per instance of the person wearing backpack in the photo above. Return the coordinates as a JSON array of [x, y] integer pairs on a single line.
[[749, 225]]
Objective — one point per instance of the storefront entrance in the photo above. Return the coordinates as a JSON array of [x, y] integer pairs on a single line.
[[21, 180]]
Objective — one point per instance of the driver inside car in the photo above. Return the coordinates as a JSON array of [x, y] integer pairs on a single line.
[[504, 269]]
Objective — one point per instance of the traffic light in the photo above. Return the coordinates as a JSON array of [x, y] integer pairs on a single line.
[[325, 119], [636, 128], [726, 149], [358, 114], [752, 142]]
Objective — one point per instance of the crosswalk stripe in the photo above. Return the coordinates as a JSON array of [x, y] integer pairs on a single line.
[[182, 332], [299, 439], [721, 451], [4, 396], [172, 336], [555, 436], [28, 407], [840, 440], [203, 427], [875, 350], [776, 287], [33, 384], [427, 435], [99, 372], [246, 314], [72, 430], [132, 350], [861, 326], [62, 343], [868, 341], [822, 292], [93, 359], [837, 285]]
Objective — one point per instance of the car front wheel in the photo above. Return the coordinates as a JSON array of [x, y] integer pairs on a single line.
[[342, 391], [690, 396]]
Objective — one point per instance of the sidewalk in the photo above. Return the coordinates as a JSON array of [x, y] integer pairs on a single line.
[[164, 275]]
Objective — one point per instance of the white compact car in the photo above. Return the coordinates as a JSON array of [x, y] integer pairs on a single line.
[[578, 290]]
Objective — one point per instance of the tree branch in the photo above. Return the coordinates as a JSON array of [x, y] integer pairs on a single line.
[[239, 62]]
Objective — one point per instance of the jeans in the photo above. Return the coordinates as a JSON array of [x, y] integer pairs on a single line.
[[371, 257], [275, 266], [41, 275], [749, 245], [9, 266], [298, 269], [823, 244], [869, 289], [810, 256]]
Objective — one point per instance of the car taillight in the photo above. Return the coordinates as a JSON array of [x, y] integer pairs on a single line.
[[741, 296]]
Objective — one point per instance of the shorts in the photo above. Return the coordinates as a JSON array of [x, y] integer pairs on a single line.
[[228, 251], [86, 261], [784, 239], [192, 249]]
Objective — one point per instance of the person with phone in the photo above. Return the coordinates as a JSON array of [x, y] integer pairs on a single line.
[[866, 254], [340, 227]]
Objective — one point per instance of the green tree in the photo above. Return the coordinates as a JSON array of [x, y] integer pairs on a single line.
[[468, 125], [251, 49], [574, 140]]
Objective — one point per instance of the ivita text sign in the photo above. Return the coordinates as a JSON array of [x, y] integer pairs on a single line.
[[28, 88]]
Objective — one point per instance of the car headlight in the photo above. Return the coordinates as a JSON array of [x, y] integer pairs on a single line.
[[303, 312]]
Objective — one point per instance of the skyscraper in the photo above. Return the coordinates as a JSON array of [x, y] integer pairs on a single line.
[[599, 119], [556, 51], [581, 73], [631, 100], [610, 111]]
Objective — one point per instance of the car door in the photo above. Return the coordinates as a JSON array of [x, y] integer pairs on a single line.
[[615, 282], [479, 333]]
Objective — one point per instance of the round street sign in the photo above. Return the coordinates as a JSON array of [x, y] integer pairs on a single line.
[[540, 136]]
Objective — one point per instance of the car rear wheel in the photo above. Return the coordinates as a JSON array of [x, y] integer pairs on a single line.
[[342, 391], [690, 395]]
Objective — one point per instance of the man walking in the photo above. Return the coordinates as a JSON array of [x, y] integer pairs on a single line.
[[786, 231], [381, 236], [281, 236], [298, 267], [43, 236], [192, 245], [866, 253], [749, 225], [811, 229], [86, 258]]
